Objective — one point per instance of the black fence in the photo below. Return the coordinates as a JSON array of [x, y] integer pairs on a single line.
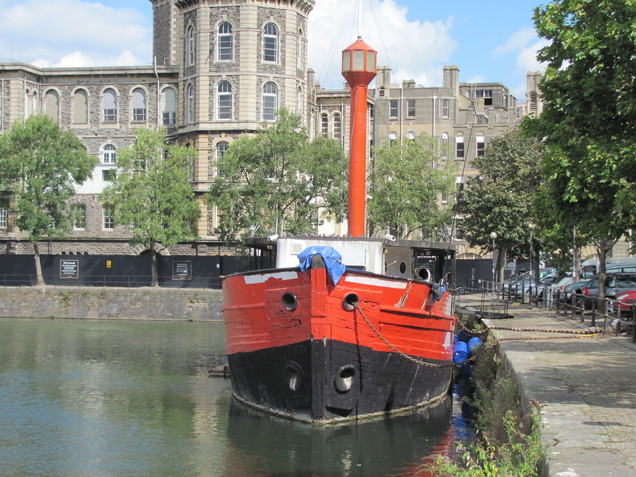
[[120, 270]]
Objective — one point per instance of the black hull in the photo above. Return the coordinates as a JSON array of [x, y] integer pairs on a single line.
[[329, 381]]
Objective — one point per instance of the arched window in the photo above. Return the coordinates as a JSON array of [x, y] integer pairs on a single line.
[[300, 110], [392, 137], [270, 43], [480, 142], [109, 106], [169, 107], [410, 135], [337, 126], [324, 125], [225, 50], [221, 148], [270, 101], [224, 100], [110, 154], [52, 105], [139, 104], [300, 51], [190, 104], [190, 46], [80, 107]]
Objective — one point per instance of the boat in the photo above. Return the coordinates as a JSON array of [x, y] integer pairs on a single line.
[[343, 328]]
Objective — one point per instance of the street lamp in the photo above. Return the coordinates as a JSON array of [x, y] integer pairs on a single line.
[[530, 228], [493, 236]]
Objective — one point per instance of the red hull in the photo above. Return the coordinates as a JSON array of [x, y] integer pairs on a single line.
[[394, 323]]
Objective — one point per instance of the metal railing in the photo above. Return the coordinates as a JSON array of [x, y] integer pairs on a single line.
[[125, 281]]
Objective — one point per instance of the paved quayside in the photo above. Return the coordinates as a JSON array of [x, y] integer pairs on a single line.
[[585, 387]]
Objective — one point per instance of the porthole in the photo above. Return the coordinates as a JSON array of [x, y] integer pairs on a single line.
[[343, 381], [293, 376], [350, 301], [289, 301]]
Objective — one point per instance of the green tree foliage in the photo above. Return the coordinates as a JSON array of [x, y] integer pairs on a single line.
[[408, 183], [589, 118], [274, 181], [40, 165], [500, 198], [151, 194]]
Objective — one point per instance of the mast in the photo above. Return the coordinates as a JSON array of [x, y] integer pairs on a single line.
[[359, 67]]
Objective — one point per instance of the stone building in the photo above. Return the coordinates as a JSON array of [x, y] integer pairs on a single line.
[[222, 69]]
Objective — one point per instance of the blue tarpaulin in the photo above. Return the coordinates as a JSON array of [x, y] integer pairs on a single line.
[[333, 261]]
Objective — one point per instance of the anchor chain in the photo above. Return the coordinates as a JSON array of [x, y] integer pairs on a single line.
[[593, 333]]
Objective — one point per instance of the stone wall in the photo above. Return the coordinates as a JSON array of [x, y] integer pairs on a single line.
[[111, 303]]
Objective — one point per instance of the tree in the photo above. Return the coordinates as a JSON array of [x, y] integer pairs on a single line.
[[500, 198], [408, 183], [151, 194], [41, 165], [589, 117], [275, 181]]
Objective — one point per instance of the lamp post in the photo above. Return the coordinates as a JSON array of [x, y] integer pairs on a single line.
[[493, 236], [530, 229]]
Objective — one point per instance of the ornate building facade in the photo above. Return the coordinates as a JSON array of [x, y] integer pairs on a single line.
[[223, 68]]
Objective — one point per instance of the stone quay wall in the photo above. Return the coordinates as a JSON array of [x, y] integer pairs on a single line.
[[111, 303]]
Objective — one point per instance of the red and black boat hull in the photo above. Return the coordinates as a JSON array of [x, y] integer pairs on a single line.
[[303, 348]]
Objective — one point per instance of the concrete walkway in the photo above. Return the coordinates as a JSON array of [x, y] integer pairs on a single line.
[[585, 387]]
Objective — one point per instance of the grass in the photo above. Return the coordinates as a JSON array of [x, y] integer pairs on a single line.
[[508, 442]]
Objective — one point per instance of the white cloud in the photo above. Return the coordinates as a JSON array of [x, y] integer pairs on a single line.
[[527, 57], [413, 49], [73, 33], [516, 41]]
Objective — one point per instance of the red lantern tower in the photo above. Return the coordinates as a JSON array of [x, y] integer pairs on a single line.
[[359, 67]]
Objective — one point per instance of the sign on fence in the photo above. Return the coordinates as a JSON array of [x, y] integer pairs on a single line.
[[69, 269]]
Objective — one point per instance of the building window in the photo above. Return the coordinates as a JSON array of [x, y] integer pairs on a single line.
[[324, 125], [445, 108], [4, 213], [190, 104], [392, 137], [169, 107], [270, 101], [270, 43], [300, 110], [300, 51], [224, 100], [459, 146], [190, 46], [52, 105], [371, 111], [445, 145], [109, 106], [337, 126], [393, 108], [410, 108], [108, 217], [410, 135], [78, 217], [110, 154], [226, 42], [139, 105], [481, 145], [108, 175], [80, 107], [221, 149], [486, 94]]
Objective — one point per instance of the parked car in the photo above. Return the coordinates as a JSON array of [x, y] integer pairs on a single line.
[[559, 286], [615, 284], [625, 301], [544, 283]]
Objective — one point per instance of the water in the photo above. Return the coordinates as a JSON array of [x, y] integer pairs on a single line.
[[96, 398]]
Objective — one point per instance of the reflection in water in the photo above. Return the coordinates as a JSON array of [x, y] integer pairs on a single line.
[[80, 398], [392, 446]]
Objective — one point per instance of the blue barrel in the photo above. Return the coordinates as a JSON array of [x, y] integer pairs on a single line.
[[460, 352], [473, 344]]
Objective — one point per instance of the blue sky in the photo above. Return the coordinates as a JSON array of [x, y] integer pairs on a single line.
[[488, 40]]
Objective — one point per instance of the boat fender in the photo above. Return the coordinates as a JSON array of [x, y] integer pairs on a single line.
[[460, 352]]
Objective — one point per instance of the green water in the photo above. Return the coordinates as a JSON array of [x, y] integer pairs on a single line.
[[107, 398]]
